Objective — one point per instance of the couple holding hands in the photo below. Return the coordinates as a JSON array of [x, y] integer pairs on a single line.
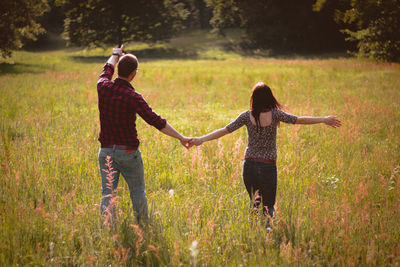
[[119, 103]]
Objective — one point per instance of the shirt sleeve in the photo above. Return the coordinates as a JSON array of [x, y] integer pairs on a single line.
[[285, 117], [238, 122], [147, 114], [106, 74]]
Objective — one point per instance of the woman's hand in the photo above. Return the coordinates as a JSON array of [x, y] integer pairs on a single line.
[[196, 141], [185, 141], [332, 121]]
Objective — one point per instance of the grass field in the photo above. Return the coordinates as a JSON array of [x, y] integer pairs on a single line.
[[338, 189]]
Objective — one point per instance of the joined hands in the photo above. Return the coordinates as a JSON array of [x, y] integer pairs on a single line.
[[188, 142]]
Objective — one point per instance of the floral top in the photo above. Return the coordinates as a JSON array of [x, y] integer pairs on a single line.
[[261, 144]]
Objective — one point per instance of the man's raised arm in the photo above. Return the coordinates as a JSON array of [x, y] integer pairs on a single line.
[[108, 70], [117, 52]]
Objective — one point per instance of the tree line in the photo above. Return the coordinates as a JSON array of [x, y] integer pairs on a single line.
[[368, 27]]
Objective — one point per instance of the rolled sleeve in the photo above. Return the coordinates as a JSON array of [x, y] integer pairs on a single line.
[[106, 74], [147, 114]]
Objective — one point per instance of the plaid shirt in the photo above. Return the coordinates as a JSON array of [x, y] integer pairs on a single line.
[[118, 105]]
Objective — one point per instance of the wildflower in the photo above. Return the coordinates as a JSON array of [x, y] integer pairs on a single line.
[[194, 252], [171, 192], [193, 249], [122, 253], [155, 249], [52, 245], [110, 210], [331, 182], [139, 233]]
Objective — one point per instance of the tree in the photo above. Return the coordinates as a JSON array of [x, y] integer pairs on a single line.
[[18, 22], [53, 24], [225, 14], [286, 24], [203, 13], [198, 14], [374, 25], [53, 20], [99, 22]]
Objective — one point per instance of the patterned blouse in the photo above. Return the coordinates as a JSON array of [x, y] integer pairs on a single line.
[[261, 144]]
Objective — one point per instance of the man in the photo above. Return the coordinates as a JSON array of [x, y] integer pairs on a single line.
[[119, 153]]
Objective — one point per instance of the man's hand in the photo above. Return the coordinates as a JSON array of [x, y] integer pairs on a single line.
[[170, 131], [119, 51], [185, 141]]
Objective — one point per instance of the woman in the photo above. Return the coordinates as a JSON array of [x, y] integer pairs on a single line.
[[259, 166]]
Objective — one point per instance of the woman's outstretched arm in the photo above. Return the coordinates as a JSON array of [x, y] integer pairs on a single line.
[[211, 136], [231, 127], [328, 120]]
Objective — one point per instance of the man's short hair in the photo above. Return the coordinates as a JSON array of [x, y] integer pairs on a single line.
[[126, 65]]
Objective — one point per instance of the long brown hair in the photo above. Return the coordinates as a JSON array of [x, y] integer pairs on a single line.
[[262, 100]]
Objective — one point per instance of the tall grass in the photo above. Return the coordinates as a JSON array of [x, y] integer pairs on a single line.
[[338, 189]]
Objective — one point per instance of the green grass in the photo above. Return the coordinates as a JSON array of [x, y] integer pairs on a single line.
[[338, 189]]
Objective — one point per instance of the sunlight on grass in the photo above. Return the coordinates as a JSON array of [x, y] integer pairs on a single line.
[[338, 190]]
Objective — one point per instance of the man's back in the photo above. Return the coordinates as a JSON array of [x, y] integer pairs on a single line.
[[119, 152], [118, 105]]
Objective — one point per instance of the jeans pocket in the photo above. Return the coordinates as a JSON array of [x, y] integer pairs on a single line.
[[129, 151], [131, 154]]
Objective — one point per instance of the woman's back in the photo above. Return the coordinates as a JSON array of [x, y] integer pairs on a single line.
[[261, 140], [265, 119]]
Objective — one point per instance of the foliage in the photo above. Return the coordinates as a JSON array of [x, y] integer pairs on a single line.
[[98, 22], [377, 31], [338, 189], [53, 25], [225, 14], [280, 23], [53, 20], [18, 22], [373, 25], [204, 13]]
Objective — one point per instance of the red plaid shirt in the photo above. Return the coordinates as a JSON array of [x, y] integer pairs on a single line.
[[118, 105]]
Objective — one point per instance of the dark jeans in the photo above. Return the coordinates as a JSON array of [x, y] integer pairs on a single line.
[[260, 180]]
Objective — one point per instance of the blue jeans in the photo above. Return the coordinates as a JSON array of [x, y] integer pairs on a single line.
[[260, 180], [130, 165]]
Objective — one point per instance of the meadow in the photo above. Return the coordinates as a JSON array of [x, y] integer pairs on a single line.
[[338, 192]]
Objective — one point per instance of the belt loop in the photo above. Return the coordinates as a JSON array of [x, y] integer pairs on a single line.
[[113, 147]]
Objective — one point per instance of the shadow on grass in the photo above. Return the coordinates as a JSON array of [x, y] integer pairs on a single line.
[[89, 59], [244, 50], [144, 54], [19, 68], [160, 53]]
